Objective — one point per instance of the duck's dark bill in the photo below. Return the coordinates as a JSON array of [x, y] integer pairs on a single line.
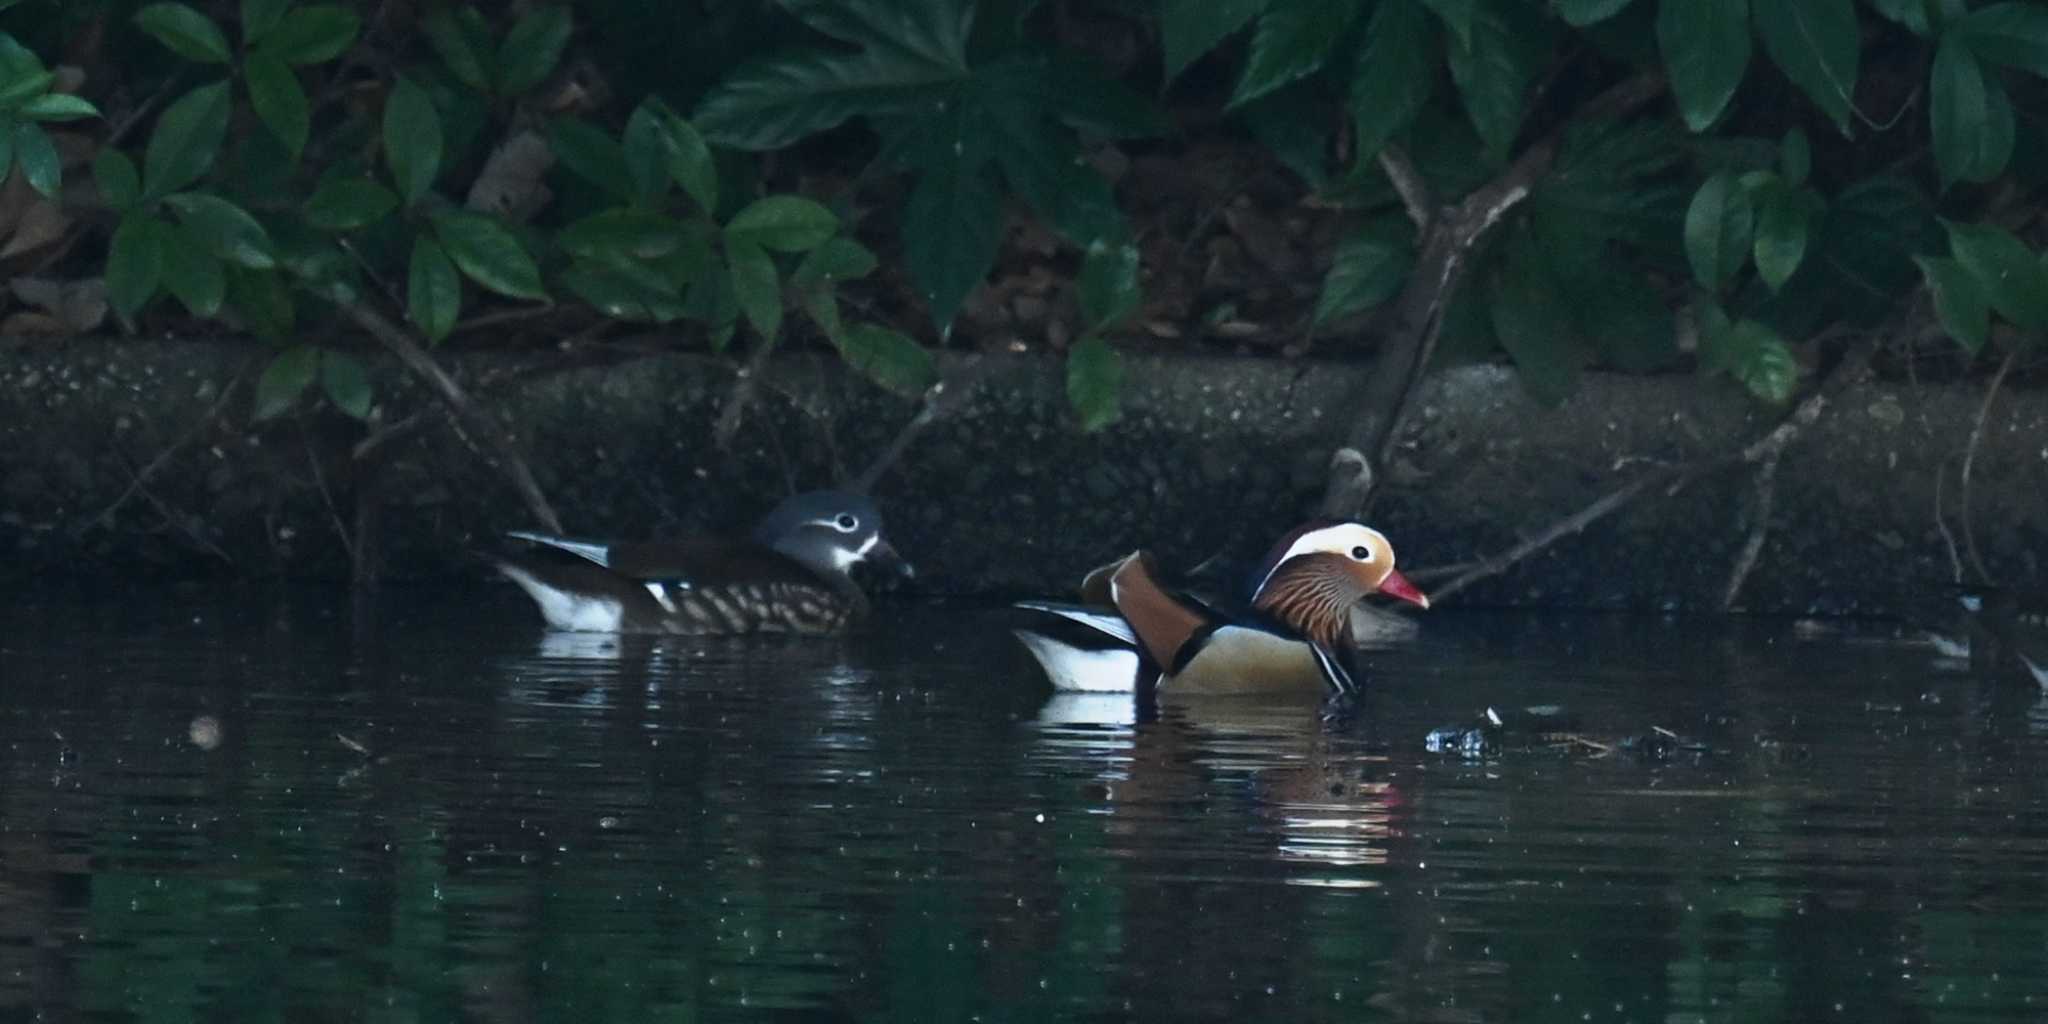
[[1397, 585], [884, 556]]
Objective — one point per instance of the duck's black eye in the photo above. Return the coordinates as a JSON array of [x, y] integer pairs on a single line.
[[1361, 553], [846, 522]]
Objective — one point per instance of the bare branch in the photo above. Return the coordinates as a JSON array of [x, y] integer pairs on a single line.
[[1970, 464], [940, 400], [419, 362], [1414, 192], [1759, 527]]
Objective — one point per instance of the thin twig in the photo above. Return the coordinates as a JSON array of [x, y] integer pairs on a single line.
[[419, 362], [150, 469], [940, 400], [1948, 537], [742, 393], [1673, 478], [1970, 463], [175, 521], [326, 496], [1759, 527]]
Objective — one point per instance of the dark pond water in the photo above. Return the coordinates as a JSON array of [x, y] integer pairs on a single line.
[[263, 806]]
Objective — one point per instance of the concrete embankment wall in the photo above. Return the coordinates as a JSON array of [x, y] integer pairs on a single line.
[[137, 459]]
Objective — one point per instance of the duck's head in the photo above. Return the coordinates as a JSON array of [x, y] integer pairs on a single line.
[[830, 532], [1315, 574]]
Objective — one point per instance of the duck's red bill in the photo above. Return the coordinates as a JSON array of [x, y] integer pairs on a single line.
[[1397, 585]]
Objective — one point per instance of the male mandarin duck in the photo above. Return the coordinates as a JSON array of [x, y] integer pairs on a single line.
[[793, 575], [1291, 639]]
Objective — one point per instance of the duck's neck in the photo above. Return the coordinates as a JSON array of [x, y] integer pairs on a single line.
[[1310, 600]]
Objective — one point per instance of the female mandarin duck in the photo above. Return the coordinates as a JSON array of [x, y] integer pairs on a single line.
[[1290, 641], [793, 575]]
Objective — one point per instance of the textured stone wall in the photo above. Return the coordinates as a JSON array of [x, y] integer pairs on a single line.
[[136, 459]]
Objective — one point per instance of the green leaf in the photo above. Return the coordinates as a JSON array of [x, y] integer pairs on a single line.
[[37, 157], [625, 291], [262, 299], [1457, 15], [951, 226], [488, 254], [913, 58], [433, 294], [1534, 326], [259, 17], [2012, 277], [463, 44], [120, 185], [187, 32], [889, 358], [1588, 12], [710, 301], [1970, 117], [1795, 157], [1959, 301], [187, 137], [1706, 53], [839, 259], [647, 147], [756, 287], [224, 229], [691, 165], [1753, 354], [412, 139], [622, 234], [347, 383], [57, 106], [29, 85], [284, 380], [1394, 75], [1191, 28], [275, 93], [195, 276], [1369, 269], [1816, 43], [532, 49], [1045, 167], [344, 203], [1294, 39], [1493, 72], [313, 34], [1095, 382], [1781, 233], [1108, 287], [592, 155], [1719, 226], [1910, 13], [2013, 35], [135, 262], [784, 223]]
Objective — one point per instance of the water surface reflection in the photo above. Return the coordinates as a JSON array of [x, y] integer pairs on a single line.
[[440, 812]]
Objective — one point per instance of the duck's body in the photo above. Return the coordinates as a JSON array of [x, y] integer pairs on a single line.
[[1292, 639], [791, 576], [2006, 627]]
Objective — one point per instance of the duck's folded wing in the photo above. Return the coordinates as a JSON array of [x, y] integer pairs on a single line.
[[1165, 624], [1102, 620]]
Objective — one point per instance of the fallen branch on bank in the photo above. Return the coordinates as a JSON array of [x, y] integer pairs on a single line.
[[942, 399], [1449, 236], [1671, 479], [1970, 464], [416, 359]]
